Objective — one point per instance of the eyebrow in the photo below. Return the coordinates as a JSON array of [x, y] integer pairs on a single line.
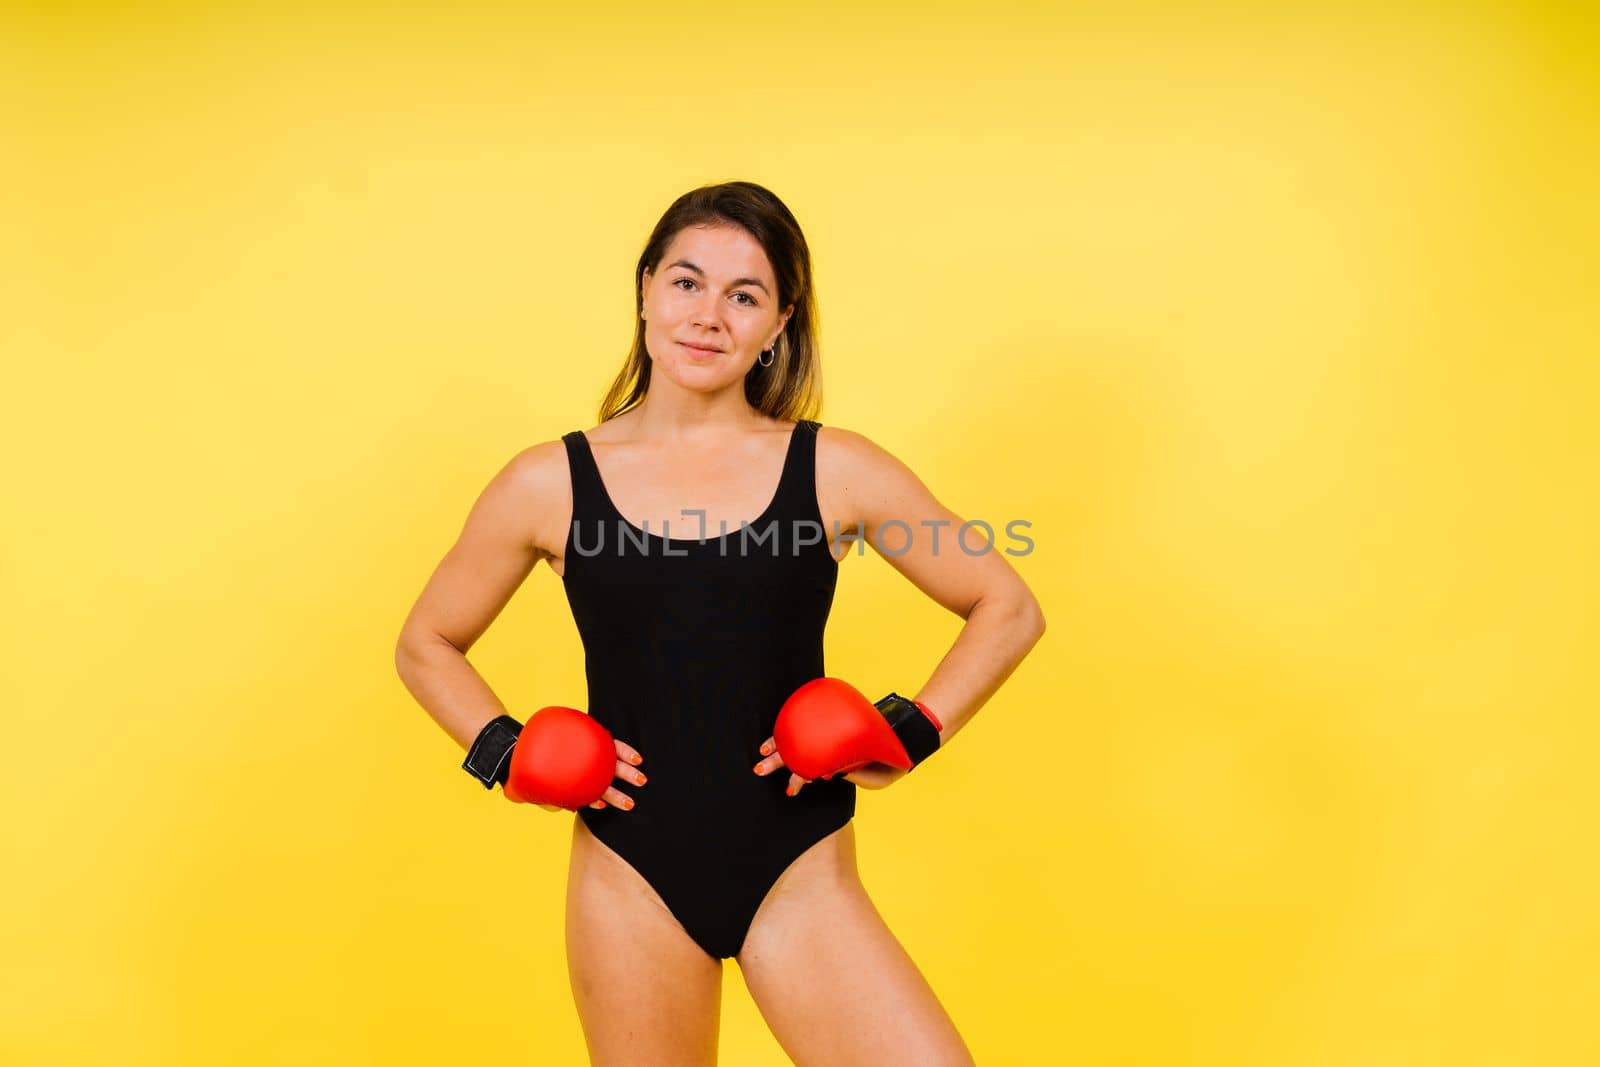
[[737, 281]]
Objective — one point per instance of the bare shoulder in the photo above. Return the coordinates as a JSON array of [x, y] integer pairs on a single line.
[[854, 461], [534, 492], [859, 480], [504, 537], [538, 466]]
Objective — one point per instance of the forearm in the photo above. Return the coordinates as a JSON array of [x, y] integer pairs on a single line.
[[995, 638], [448, 687]]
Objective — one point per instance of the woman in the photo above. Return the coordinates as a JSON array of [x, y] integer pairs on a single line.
[[694, 641]]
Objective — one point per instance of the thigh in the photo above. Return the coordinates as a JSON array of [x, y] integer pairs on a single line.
[[830, 978], [645, 992]]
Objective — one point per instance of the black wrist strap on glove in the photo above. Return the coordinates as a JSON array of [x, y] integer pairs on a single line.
[[911, 725], [489, 758]]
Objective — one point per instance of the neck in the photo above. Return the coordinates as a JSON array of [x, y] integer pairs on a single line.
[[679, 416]]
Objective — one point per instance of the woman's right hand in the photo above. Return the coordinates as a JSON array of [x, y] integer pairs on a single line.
[[628, 759]]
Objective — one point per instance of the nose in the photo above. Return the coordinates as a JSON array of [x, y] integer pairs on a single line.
[[705, 313]]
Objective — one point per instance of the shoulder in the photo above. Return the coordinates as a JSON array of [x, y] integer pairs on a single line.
[[538, 468], [860, 468], [852, 451], [531, 494]]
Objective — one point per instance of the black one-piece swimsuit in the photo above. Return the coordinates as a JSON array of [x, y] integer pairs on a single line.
[[691, 646]]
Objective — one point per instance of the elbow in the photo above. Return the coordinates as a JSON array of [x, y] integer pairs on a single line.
[[410, 650], [1033, 619], [1023, 613], [404, 657], [416, 645]]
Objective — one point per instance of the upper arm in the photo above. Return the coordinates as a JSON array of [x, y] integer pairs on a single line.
[[505, 535], [895, 510]]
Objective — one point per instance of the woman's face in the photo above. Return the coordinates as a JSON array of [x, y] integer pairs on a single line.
[[716, 289]]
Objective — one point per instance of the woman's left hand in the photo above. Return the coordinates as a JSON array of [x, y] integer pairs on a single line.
[[876, 775], [872, 776]]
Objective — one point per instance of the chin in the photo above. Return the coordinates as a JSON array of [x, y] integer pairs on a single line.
[[702, 379]]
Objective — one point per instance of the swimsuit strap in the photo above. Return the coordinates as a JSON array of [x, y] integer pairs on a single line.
[[589, 499], [796, 497]]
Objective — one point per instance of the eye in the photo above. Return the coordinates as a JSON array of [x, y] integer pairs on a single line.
[[749, 301]]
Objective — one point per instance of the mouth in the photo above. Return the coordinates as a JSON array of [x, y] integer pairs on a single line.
[[699, 351]]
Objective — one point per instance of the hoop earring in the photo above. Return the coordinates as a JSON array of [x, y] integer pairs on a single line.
[[767, 352]]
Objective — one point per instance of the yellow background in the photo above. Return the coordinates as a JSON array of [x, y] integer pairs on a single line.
[[1279, 327]]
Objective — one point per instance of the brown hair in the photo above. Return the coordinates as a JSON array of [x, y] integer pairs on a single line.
[[792, 387]]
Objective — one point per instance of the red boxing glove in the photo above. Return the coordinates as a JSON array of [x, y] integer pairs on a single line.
[[828, 727], [562, 757]]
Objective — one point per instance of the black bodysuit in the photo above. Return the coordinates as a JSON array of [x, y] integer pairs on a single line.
[[691, 647]]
